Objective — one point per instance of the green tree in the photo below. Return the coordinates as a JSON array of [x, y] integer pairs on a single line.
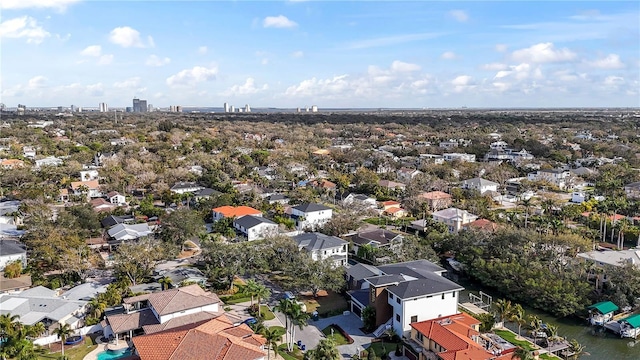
[[261, 292], [522, 354], [369, 318], [13, 269], [271, 336], [181, 225], [504, 309], [326, 350], [576, 349], [136, 261], [62, 331], [285, 306], [165, 282], [518, 317]]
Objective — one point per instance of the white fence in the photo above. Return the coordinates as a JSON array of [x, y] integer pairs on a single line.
[[46, 340]]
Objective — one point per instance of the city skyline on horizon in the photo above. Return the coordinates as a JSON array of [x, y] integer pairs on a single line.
[[291, 54]]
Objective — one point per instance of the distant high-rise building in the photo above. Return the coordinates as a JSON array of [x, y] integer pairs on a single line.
[[175, 108], [232, 109], [73, 108], [150, 108], [102, 107], [139, 105], [314, 108], [226, 107], [247, 108]]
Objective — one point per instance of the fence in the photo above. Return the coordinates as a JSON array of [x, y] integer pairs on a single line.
[[46, 340]]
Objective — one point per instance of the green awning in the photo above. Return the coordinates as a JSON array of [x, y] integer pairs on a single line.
[[604, 307], [633, 320]]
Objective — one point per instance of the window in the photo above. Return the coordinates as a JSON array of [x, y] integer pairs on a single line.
[[454, 294], [398, 317], [390, 296], [414, 318], [442, 296], [398, 300]]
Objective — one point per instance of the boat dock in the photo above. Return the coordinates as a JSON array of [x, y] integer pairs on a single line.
[[613, 326]]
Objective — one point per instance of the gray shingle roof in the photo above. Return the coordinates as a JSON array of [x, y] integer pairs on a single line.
[[318, 241], [10, 247], [386, 279], [361, 271], [417, 268], [431, 285], [311, 207], [250, 221]]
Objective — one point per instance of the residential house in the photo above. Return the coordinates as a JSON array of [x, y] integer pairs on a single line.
[[156, 312], [605, 258], [578, 197], [14, 285], [391, 185], [459, 157], [181, 275], [10, 164], [449, 144], [454, 336], [389, 204], [323, 184], [124, 232], [633, 190], [480, 185], [278, 198], [481, 224], [100, 204], [116, 198], [406, 174], [378, 238], [48, 161], [310, 215], [393, 209], [454, 218], [360, 200], [218, 338], [29, 152], [436, 200], [89, 175], [255, 227], [404, 293], [40, 304], [234, 212], [186, 187], [90, 188], [205, 193], [557, 177], [321, 247], [112, 220], [11, 251], [431, 158]]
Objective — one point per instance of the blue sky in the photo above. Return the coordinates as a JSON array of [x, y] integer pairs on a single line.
[[327, 53]]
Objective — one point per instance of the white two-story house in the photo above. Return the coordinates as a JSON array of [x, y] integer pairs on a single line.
[[454, 218], [402, 293], [310, 215], [557, 177], [481, 185], [255, 227], [321, 247]]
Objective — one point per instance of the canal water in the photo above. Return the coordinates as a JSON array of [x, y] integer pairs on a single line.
[[601, 345]]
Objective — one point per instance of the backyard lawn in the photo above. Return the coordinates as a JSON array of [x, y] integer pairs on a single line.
[[511, 337], [381, 347], [74, 352], [266, 313], [327, 303]]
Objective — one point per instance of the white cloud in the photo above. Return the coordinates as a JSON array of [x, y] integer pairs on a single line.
[[247, 88], [192, 76], [154, 60], [297, 54], [280, 21], [501, 47], [130, 83], [399, 66], [611, 61], [613, 80], [543, 53], [23, 27], [494, 67], [311, 87], [92, 50], [449, 55], [105, 59], [459, 15], [126, 36], [202, 50], [95, 89], [150, 41], [36, 82], [25, 4], [462, 83]]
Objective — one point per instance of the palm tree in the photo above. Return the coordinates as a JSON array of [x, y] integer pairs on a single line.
[[251, 288], [577, 349], [262, 292], [165, 282], [272, 336], [526, 203], [63, 331], [503, 309], [298, 317], [97, 307], [36, 330], [535, 324], [326, 350], [518, 317], [522, 354], [284, 306]]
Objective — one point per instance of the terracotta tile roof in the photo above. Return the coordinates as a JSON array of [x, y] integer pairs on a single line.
[[175, 300], [179, 321], [236, 211], [394, 210], [454, 333], [390, 203], [482, 224], [434, 195], [214, 339], [12, 163], [92, 184]]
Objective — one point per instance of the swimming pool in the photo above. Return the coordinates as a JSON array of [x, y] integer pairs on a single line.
[[115, 354]]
